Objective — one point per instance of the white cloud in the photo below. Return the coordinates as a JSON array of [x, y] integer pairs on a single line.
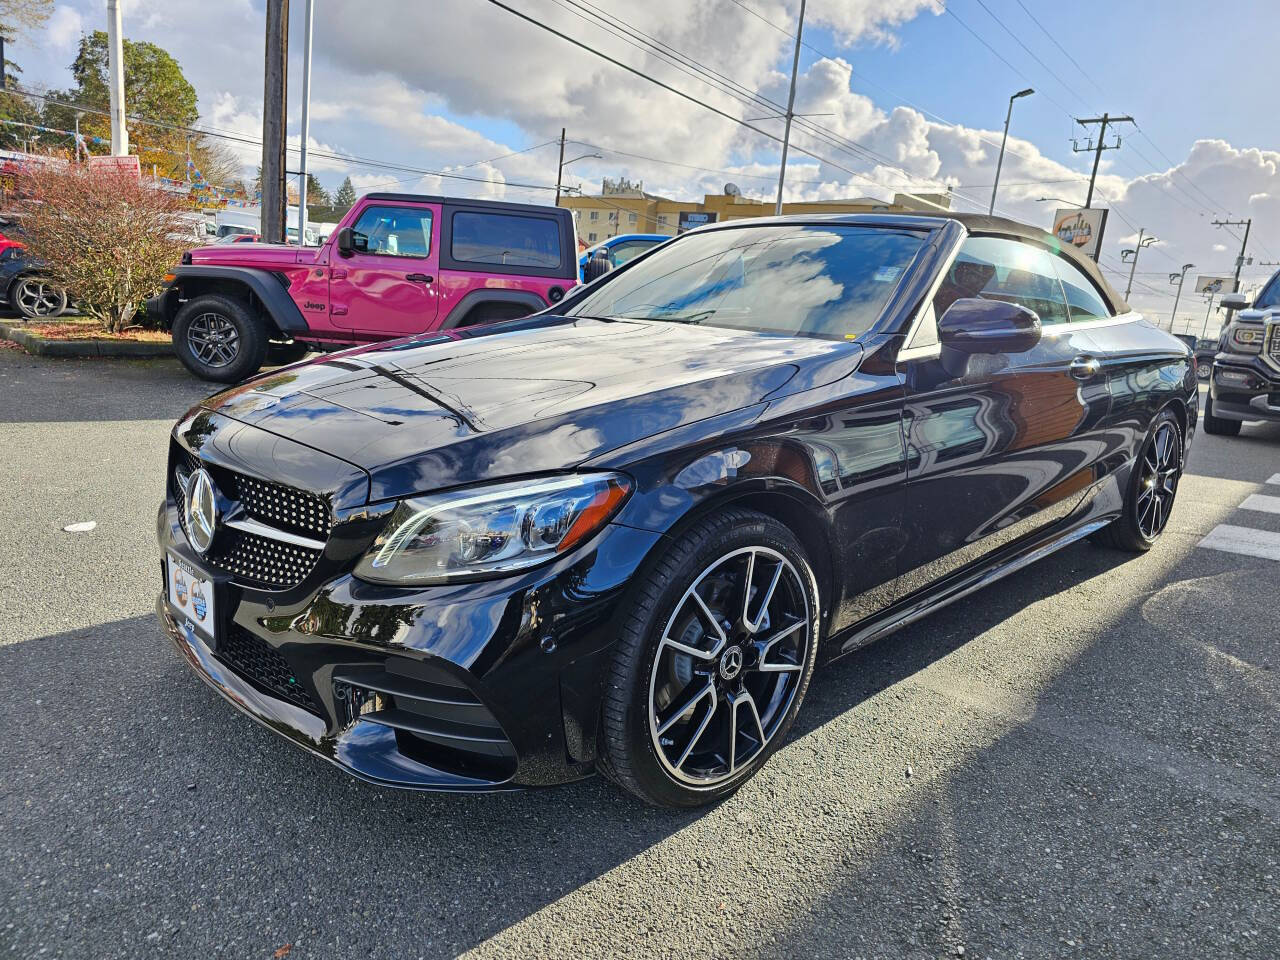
[[65, 27]]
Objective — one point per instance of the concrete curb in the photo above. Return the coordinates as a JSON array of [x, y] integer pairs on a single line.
[[39, 347]]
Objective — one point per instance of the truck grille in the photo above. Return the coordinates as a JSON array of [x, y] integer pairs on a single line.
[[255, 559], [1272, 346], [263, 665]]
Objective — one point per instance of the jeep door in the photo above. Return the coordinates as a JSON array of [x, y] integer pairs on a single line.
[[388, 286]]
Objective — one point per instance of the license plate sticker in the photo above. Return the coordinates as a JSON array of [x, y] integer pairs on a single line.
[[191, 594]]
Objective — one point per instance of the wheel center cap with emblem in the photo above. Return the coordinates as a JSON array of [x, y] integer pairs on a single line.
[[201, 510], [731, 663]]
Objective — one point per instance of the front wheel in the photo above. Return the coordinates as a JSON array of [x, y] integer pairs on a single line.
[[38, 299], [216, 339], [713, 661], [1153, 487]]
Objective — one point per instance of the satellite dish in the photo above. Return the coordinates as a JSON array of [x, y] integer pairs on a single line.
[[732, 190]]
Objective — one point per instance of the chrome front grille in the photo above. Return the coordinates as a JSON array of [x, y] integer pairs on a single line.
[[289, 526], [1271, 347]]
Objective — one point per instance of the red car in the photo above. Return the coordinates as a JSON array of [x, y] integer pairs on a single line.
[[398, 264]]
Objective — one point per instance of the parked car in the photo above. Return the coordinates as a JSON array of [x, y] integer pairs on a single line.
[[238, 238], [398, 264], [617, 535], [25, 286], [1205, 350], [615, 251], [1246, 369]]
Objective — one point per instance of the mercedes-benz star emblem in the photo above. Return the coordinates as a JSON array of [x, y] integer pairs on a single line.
[[731, 663], [201, 511]]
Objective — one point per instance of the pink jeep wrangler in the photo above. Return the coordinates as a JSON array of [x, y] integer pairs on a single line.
[[398, 264]]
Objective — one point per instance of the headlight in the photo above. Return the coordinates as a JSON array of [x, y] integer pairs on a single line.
[[491, 529], [1248, 339]]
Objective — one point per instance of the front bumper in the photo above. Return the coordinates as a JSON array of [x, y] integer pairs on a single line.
[[473, 687], [1245, 388]]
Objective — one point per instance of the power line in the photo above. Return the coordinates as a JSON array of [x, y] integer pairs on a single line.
[[1031, 53]]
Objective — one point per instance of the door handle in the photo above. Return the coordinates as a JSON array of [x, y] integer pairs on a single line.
[[419, 277], [1084, 367]]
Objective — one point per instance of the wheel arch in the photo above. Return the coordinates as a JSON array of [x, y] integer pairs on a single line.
[[478, 299], [262, 291]]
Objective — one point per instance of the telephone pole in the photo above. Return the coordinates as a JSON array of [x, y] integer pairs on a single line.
[[274, 91], [1102, 123], [115, 79], [560, 167], [791, 103], [1244, 244]]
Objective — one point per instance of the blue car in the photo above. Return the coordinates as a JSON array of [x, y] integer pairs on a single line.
[[623, 247]]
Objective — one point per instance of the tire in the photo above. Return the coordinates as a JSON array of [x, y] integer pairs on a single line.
[[279, 354], [595, 268], [674, 757], [1153, 487], [1218, 426], [239, 353], [37, 299]]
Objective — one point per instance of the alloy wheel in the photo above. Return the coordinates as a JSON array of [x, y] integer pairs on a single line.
[[213, 339], [1158, 481], [728, 666], [39, 298]]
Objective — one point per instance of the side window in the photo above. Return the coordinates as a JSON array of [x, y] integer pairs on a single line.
[[1083, 301], [628, 251], [393, 231], [505, 239], [994, 268]]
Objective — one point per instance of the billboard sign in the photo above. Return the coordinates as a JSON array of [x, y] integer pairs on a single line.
[[1080, 228], [1211, 285], [129, 165], [689, 219]]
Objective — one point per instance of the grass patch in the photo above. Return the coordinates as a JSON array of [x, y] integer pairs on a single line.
[[86, 328]]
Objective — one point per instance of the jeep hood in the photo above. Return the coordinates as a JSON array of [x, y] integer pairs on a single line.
[[546, 393], [253, 255]]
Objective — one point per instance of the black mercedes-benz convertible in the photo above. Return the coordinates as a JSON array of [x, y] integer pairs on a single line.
[[619, 535]]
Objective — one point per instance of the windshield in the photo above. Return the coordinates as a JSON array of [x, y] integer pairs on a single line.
[[1270, 296], [828, 281]]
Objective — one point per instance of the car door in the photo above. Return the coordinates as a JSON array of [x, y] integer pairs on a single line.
[[388, 287], [1001, 445]]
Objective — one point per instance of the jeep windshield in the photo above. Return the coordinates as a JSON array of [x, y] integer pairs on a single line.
[[814, 281]]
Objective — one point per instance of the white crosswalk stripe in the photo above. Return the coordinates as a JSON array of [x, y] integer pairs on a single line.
[[1245, 540], [1264, 504]]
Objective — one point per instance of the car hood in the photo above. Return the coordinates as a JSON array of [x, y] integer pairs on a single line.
[[545, 393], [252, 255]]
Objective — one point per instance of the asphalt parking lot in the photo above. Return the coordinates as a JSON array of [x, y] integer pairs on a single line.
[[1081, 761]]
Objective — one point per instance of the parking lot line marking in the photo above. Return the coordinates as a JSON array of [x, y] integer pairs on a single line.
[[1251, 543], [1260, 502], [1274, 478]]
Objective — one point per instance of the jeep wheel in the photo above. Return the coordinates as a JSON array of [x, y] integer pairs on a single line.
[[38, 299], [217, 339]]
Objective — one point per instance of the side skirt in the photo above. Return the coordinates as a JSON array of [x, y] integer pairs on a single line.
[[961, 585]]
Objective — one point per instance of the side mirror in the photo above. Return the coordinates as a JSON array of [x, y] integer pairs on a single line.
[[974, 325], [1234, 301], [346, 242]]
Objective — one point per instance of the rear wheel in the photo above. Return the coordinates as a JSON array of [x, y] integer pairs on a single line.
[[1219, 426], [1153, 487], [38, 299], [216, 339], [713, 662]]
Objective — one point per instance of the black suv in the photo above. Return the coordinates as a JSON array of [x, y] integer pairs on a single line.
[[1246, 371]]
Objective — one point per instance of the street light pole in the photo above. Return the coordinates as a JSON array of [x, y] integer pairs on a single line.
[[1180, 278], [1004, 140], [1135, 251], [115, 78], [560, 167], [1205, 329], [308, 18], [791, 102]]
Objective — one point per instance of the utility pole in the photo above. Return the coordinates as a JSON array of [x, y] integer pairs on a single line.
[[791, 102], [275, 88], [1125, 254], [1004, 140], [560, 167], [1204, 330], [1244, 244], [309, 17], [1178, 278], [115, 79], [1102, 122]]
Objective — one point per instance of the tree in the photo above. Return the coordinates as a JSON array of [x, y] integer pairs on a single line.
[[345, 198], [21, 16], [18, 17], [317, 195], [108, 237]]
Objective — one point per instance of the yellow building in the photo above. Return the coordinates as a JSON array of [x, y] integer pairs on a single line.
[[624, 207]]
